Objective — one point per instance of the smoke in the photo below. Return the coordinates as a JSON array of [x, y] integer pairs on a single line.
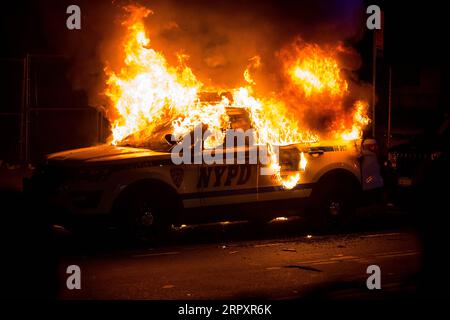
[[221, 36]]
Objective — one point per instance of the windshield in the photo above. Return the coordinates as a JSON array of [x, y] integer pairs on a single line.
[[155, 142], [238, 119]]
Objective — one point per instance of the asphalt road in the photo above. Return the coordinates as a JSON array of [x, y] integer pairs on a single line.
[[218, 262], [280, 260]]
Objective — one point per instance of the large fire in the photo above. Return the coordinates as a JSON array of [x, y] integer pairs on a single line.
[[148, 94], [316, 71]]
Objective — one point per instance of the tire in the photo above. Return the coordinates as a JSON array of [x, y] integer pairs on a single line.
[[144, 214], [334, 203]]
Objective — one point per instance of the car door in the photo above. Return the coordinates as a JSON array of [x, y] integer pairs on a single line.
[[271, 190], [229, 184]]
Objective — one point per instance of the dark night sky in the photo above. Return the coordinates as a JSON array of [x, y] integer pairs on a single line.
[[39, 25], [220, 36], [213, 30], [413, 29]]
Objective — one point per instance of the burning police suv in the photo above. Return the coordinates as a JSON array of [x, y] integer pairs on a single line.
[[149, 188], [182, 151]]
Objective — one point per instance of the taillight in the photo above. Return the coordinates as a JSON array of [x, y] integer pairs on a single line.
[[370, 145]]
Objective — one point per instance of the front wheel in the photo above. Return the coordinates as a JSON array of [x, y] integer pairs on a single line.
[[143, 215]]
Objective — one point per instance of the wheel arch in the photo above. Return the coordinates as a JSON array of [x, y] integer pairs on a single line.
[[338, 174], [161, 190]]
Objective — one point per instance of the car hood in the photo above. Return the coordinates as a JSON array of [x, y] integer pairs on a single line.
[[105, 153]]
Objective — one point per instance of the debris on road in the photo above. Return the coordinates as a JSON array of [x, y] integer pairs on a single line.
[[303, 268], [168, 286]]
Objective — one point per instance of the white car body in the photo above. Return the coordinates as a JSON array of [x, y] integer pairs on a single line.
[[88, 181]]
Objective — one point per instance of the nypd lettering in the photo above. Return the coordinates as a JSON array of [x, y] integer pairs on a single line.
[[227, 175]]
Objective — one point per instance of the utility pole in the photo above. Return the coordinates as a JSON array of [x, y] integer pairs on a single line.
[[24, 112], [389, 109], [377, 46], [374, 80], [27, 109]]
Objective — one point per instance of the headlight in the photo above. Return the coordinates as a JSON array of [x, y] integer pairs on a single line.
[[94, 173]]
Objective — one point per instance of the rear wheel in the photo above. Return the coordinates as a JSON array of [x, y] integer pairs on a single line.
[[334, 203]]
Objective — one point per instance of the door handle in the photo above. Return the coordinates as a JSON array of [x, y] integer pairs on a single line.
[[315, 152]]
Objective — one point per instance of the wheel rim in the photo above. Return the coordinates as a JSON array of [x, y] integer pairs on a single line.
[[146, 217], [334, 208]]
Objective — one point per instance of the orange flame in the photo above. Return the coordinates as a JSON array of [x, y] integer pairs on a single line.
[[360, 121], [149, 95], [315, 70]]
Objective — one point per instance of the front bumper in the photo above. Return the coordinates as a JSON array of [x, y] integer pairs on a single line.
[[68, 209]]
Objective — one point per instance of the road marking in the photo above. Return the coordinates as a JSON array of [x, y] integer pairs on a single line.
[[343, 258], [267, 245], [330, 260], [354, 258], [155, 254], [273, 268], [381, 235], [398, 254], [393, 252]]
